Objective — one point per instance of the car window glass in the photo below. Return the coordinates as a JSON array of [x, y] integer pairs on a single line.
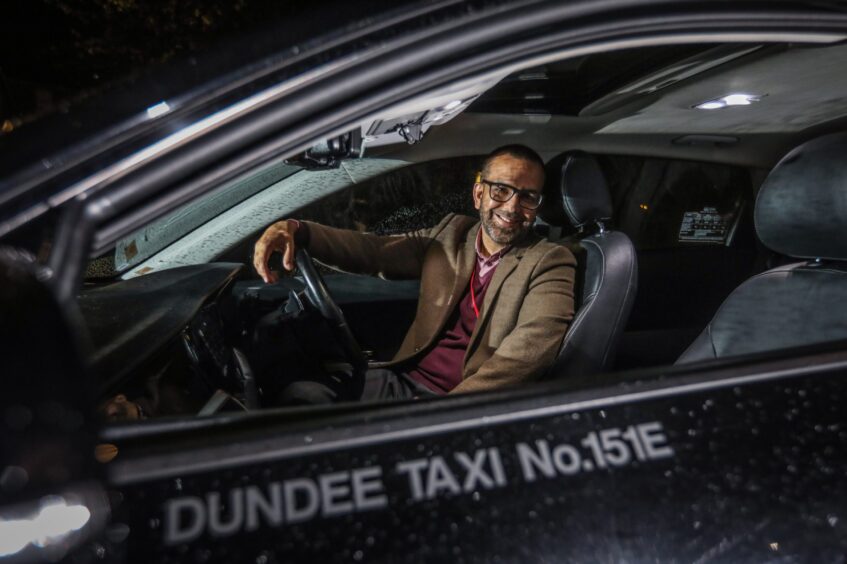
[[196, 371], [662, 203], [239, 225], [410, 198], [135, 248]]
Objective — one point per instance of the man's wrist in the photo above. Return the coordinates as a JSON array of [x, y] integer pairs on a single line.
[[300, 231]]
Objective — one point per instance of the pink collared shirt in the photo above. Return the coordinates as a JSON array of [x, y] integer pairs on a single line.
[[486, 265]]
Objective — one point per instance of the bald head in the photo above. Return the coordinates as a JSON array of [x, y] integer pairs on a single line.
[[516, 152]]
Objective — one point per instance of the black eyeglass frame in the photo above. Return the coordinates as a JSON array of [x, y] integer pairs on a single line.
[[512, 191]]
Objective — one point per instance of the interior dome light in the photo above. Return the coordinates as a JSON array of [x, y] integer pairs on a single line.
[[740, 99], [729, 100]]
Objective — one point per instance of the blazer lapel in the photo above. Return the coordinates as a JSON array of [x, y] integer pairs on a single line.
[[507, 264], [464, 264]]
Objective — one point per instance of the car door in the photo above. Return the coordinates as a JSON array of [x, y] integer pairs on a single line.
[[673, 469]]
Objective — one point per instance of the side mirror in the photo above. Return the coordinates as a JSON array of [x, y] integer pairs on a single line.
[[50, 499]]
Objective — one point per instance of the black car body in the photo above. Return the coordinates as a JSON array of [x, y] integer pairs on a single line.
[[738, 458]]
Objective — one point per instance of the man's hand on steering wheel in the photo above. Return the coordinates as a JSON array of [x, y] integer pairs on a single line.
[[279, 237]]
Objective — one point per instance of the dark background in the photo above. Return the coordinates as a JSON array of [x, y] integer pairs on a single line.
[[54, 53]]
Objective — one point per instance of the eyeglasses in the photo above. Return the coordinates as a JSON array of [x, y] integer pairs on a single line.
[[499, 192]]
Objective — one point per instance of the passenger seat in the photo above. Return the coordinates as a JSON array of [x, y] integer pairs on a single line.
[[801, 212], [576, 195]]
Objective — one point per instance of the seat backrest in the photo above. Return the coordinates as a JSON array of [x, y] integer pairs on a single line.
[[607, 269], [801, 212]]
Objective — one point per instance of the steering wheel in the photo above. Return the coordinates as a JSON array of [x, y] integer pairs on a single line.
[[319, 296]]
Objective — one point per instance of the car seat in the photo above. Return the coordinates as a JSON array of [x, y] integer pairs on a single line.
[[576, 193], [801, 212]]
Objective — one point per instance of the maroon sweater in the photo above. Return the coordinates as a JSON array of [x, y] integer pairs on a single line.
[[440, 369]]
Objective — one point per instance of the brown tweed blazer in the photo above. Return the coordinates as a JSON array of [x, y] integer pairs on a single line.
[[527, 307]]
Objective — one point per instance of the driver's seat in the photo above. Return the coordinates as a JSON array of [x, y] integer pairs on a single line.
[[577, 196]]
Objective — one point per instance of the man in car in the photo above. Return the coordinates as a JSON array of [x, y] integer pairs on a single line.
[[495, 299]]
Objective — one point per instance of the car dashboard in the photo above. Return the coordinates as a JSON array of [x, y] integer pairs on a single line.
[[204, 338], [173, 336]]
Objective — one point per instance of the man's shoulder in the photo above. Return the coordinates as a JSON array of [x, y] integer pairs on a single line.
[[554, 251], [454, 224]]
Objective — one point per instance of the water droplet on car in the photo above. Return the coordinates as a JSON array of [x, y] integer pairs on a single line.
[[99, 550], [358, 555]]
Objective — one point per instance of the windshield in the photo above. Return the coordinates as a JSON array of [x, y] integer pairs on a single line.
[[200, 232], [155, 236], [141, 245]]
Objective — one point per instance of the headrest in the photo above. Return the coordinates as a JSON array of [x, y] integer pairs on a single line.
[[801, 209], [575, 191]]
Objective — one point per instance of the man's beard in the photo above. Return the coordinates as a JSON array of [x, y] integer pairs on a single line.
[[500, 234]]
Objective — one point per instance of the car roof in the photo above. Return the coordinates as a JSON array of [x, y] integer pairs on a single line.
[[653, 113]]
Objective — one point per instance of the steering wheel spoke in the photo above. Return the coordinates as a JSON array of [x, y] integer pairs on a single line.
[[318, 295]]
